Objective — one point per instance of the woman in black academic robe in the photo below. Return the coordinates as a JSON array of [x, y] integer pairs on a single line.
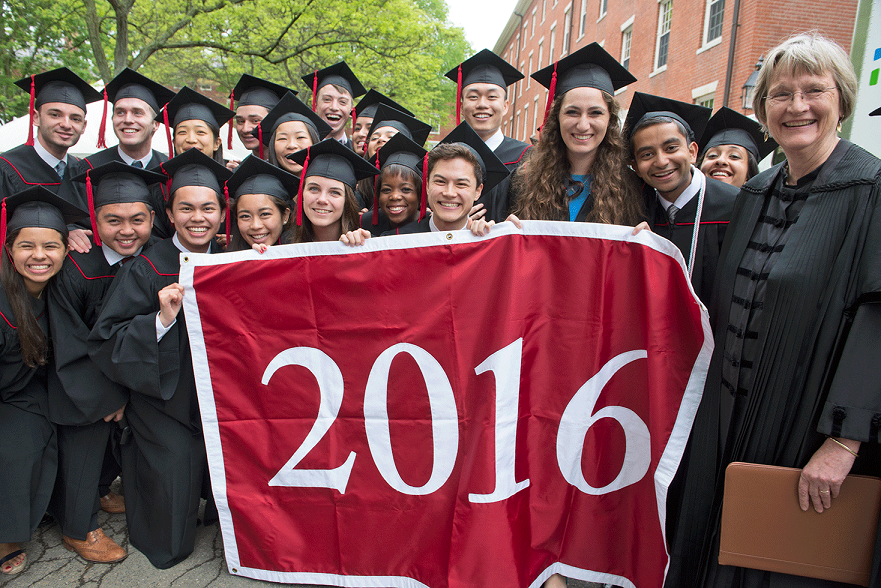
[[35, 246], [793, 380]]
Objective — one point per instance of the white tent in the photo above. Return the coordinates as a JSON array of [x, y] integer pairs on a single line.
[[15, 132]]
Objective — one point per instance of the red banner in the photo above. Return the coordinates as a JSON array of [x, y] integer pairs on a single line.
[[443, 410]]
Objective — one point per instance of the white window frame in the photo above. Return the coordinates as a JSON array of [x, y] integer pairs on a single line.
[[544, 10], [553, 42], [662, 13], [540, 63], [708, 44], [534, 13], [627, 43], [525, 121], [529, 71], [525, 30], [604, 8], [582, 22], [567, 30], [534, 118], [704, 93], [520, 82]]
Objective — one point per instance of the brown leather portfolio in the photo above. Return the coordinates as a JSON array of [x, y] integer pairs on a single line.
[[764, 528]]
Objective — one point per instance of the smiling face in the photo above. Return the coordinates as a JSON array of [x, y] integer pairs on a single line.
[[124, 227], [483, 107], [335, 108], [726, 163], [323, 203], [359, 135], [452, 191], [196, 215], [584, 119], [398, 198], [663, 158], [378, 138], [133, 123], [290, 137], [246, 120], [59, 126], [259, 219], [801, 125], [197, 134], [37, 254]]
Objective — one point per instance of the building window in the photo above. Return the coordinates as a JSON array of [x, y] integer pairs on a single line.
[[604, 4], [544, 10], [713, 22], [534, 11], [529, 71], [525, 27], [567, 26], [705, 100], [583, 18], [520, 83], [525, 136], [626, 36], [534, 120], [553, 42], [665, 18], [540, 53]]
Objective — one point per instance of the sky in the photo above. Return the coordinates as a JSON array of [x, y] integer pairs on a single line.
[[483, 20]]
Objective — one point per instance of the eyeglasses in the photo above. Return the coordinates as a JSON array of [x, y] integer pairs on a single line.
[[811, 95]]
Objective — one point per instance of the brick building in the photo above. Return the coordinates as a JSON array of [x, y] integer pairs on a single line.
[[688, 50]]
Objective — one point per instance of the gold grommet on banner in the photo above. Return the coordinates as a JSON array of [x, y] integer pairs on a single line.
[[449, 236]]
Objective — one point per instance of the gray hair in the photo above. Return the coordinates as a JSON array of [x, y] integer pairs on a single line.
[[813, 54]]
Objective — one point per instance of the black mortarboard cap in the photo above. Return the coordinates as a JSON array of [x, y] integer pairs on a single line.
[[116, 182], [330, 159], [194, 168], [647, 106], [190, 105], [254, 91], [494, 171], [485, 67], [255, 176], [729, 127], [367, 106], [401, 151], [37, 207], [413, 128], [130, 84], [57, 85], [339, 74], [289, 108], [589, 67], [876, 112]]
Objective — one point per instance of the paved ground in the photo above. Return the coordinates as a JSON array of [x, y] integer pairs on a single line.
[[50, 565]]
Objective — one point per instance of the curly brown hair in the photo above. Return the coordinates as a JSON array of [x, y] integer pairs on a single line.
[[541, 182]]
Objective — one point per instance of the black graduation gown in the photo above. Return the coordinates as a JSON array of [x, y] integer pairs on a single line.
[[162, 228], [28, 445], [163, 452], [80, 395], [422, 226], [803, 387], [22, 168], [383, 225], [498, 201], [718, 204]]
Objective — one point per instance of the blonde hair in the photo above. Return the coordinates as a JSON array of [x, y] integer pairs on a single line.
[[813, 54]]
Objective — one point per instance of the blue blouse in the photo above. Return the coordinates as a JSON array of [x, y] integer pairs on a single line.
[[576, 203]]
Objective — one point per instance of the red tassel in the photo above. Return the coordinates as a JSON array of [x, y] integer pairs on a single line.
[[458, 98], [31, 109], [424, 200], [354, 118], [101, 142], [228, 212], [314, 93], [167, 182], [375, 219], [260, 136], [551, 91], [232, 120], [92, 215], [300, 193], [167, 130], [3, 226]]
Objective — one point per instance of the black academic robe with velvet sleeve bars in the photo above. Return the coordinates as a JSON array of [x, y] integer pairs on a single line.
[[22, 168], [498, 201]]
